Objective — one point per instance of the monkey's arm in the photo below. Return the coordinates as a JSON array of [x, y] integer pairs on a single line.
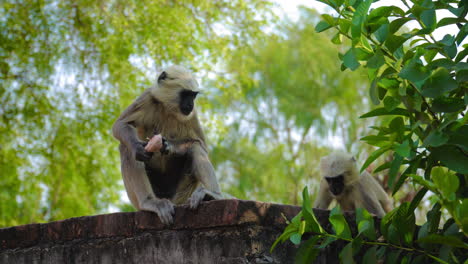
[[370, 191], [204, 172], [324, 198], [382, 196], [124, 129]]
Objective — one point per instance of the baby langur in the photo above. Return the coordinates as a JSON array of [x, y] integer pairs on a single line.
[[173, 167], [342, 181]]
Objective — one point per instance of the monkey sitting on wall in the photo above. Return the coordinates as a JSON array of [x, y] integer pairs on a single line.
[[173, 167], [341, 181]]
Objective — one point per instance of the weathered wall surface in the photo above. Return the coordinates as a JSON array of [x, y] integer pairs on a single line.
[[225, 231]]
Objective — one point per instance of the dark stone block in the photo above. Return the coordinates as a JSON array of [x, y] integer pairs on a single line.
[[223, 231], [19, 236]]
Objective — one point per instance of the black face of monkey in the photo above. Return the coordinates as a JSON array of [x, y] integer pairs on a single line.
[[186, 101], [336, 184]]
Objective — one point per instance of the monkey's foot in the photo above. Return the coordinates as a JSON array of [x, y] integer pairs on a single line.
[[202, 194], [162, 207]]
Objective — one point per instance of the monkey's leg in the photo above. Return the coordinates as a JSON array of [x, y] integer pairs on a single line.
[[204, 172], [139, 188]]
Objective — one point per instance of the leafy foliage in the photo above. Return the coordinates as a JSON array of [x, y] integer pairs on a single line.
[[397, 229], [422, 84], [284, 95]]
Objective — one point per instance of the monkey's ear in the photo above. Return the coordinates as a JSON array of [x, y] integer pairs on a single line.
[[163, 76]]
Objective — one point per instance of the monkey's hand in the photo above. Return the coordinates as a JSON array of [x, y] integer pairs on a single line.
[[162, 207], [202, 194], [140, 153]]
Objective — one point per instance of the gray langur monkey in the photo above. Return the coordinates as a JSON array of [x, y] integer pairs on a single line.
[[173, 167], [341, 181]]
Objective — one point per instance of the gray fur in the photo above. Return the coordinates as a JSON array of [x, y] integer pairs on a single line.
[[361, 190]]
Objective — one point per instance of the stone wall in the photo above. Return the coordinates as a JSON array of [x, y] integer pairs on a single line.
[[224, 231]]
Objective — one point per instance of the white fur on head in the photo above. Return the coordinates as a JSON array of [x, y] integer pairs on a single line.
[[338, 163], [167, 89]]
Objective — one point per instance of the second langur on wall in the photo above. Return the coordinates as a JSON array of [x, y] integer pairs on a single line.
[[173, 167], [341, 181]]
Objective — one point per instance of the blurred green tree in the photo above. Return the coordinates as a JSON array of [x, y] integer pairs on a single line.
[[66, 70]]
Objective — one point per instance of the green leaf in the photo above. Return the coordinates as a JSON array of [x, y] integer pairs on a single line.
[[307, 252], [429, 21], [322, 26], [444, 240], [376, 61], [420, 180], [394, 42], [385, 223], [383, 11], [462, 34], [308, 214], [415, 72], [371, 256], [444, 63], [327, 241], [329, 19], [397, 126], [390, 103], [435, 139], [339, 223], [290, 230], [403, 149], [350, 61], [345, 25], [365, 44], [381, 33], [433, 218], [373, 92], [447, 40], [337, 39], [398, 23], [382, 111], [392, 257], [394, 168], [461, 55], [451, 50], [430, 54], [357, 244], [382, 167], [374, 155], [452, 157], [438, 83], [417, 199], [450, 20], [445, 181], [462, 76], [365, 223], [359, 17], [459, 138], [404, 222], [447, 105], [296, 238], [375, 140], [346, 254]]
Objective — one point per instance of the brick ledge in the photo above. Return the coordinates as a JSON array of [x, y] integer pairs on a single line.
[[209, 214]]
